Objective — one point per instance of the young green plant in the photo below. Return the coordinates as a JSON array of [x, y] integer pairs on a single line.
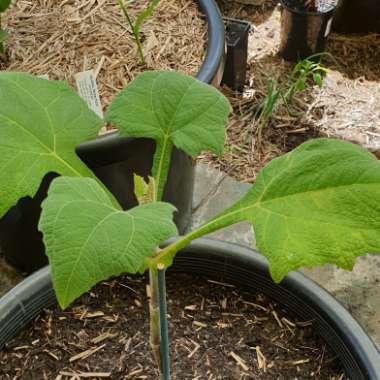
[[136, 24], [285, 91], [4, 5], [317, 204]]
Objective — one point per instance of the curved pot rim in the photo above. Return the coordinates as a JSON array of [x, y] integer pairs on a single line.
[[26, 300], [209, 72], [307, 13]]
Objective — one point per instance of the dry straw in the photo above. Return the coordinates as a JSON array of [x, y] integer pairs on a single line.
[[61, 38]]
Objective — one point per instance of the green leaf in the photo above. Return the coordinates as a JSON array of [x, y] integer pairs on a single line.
[[144, 191], [317, 79], [317, 204], [4, 5], [41, 123], [145, 14], [88, 239], [171, 108], [174, 107], [301, 84]]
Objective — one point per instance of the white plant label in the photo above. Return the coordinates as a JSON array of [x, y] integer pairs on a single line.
[[88, 90], [328, 27], [44, 76]]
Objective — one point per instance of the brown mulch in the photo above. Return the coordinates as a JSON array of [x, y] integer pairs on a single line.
[[217, 331], [61, 38]]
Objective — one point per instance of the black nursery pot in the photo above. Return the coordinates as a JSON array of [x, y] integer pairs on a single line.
[[237, 32], [114, 160], [354, 16], [235, 264], [303, 33]]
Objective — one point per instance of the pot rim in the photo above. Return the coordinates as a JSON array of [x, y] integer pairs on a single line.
[[26, 300], [210, 72], [308, 13]]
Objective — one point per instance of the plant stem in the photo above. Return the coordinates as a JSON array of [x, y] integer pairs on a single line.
[[155, 338], [2, 49], [167, 254], [134, 30], [165, 359], [161, 163]]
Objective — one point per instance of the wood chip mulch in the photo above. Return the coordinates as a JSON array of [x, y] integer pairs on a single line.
[[217, 331]]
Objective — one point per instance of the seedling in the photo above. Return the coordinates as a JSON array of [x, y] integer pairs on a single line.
[[295, 82], [4, 5], [136, 24], [317, 204]]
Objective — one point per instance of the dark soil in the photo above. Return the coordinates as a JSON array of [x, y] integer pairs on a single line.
[[217, 331], [322, 6]]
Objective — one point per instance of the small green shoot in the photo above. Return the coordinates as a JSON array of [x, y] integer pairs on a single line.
[[136, 24], [295, 82], [4, 5]]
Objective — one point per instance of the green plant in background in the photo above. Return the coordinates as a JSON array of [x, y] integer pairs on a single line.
[[317, 204], [4, 5], [136, 25], [295, 82]]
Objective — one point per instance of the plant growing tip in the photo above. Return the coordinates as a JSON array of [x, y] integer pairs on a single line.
[[317, 204], [135, 25]]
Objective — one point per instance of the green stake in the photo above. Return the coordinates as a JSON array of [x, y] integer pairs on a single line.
[[165, 360]]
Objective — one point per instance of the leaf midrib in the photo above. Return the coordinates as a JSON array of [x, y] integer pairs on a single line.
[[93, 230], [258, 205], [48, 151]]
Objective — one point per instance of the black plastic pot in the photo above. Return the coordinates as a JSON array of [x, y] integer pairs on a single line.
[[237, 32], [354, 16], [114, 160], [236, 264], [303, 33]]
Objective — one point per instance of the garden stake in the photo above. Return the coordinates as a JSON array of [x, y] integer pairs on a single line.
[[155, 341], [165, 359]]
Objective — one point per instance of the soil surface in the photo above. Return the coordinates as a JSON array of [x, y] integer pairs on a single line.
[[217, 331]]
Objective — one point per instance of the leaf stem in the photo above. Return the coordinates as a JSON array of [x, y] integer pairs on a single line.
[[166, 255], [161, 163]]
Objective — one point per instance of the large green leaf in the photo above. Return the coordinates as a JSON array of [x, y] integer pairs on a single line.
[[171, 108], [41, 123], [4, 4], [88, 239], [317, 204]]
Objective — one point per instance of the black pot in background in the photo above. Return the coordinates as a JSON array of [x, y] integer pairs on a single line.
[[357, 16], [114, 160], [235, 264], [303, 33], [237, 33]]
